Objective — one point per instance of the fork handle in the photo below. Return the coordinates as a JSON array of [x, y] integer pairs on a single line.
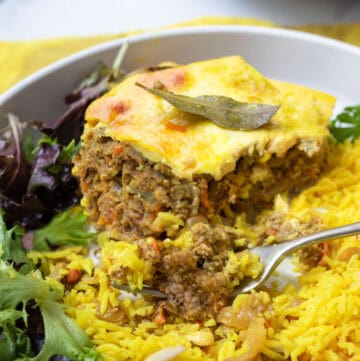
[[318, 237], [285, 248]]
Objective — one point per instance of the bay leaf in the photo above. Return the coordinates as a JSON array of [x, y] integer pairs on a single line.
[[224, 111]]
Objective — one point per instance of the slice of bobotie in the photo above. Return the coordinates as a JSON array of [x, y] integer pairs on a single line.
[[169, 165]]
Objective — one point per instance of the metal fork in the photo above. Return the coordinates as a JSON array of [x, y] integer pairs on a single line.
[[270, 257]]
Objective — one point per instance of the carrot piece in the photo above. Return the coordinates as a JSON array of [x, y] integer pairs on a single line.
[[204, 199], [118, 149], [200, 323], [84, 186], [325, 252], [73, 276], [326, 249], [112, 215], [155, 245], [271, 232], [267, 323], [160, 317], [174, 126], [101, 220], [204, 195]]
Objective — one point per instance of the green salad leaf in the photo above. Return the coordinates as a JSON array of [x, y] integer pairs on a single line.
[[74, 343], [346, 125], [67, 228], [62, 335], [11, 248], [69, 151], [32, 147], [13, 340]]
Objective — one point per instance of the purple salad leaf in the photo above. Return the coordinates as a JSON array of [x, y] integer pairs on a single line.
[[36, 181], [14, 168], [46, 157], [70, 125]]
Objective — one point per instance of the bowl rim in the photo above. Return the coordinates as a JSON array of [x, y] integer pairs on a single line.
[[133, 39]]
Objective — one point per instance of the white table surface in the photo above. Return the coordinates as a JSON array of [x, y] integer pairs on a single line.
[[33, 19]]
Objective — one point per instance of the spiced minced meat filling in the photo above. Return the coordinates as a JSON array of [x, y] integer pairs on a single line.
[[194, 278], [136, 198], [125, 192]]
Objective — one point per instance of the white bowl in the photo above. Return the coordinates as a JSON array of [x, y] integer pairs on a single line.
[[314, 61], [298, 57]]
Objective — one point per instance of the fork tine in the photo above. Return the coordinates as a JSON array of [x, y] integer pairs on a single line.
[[145, 291]]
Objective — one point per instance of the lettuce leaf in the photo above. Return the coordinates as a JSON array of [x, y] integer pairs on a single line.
[[13, 340], [11, 248], [74, 343], [67, 228], [62, 335]]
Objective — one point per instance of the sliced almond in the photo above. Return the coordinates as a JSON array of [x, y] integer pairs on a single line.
[[166, 354]]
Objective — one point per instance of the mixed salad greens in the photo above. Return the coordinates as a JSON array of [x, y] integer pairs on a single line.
[[38, 201], [39, 211], [32, 321]]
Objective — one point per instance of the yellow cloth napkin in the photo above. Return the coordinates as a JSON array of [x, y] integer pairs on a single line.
[[19, 59]]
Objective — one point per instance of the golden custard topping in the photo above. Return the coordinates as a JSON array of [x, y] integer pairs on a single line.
[[191, 144]]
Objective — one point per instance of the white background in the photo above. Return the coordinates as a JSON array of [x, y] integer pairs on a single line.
[[31, 19]]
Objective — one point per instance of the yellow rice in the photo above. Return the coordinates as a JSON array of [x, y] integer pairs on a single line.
[[319, 321]]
